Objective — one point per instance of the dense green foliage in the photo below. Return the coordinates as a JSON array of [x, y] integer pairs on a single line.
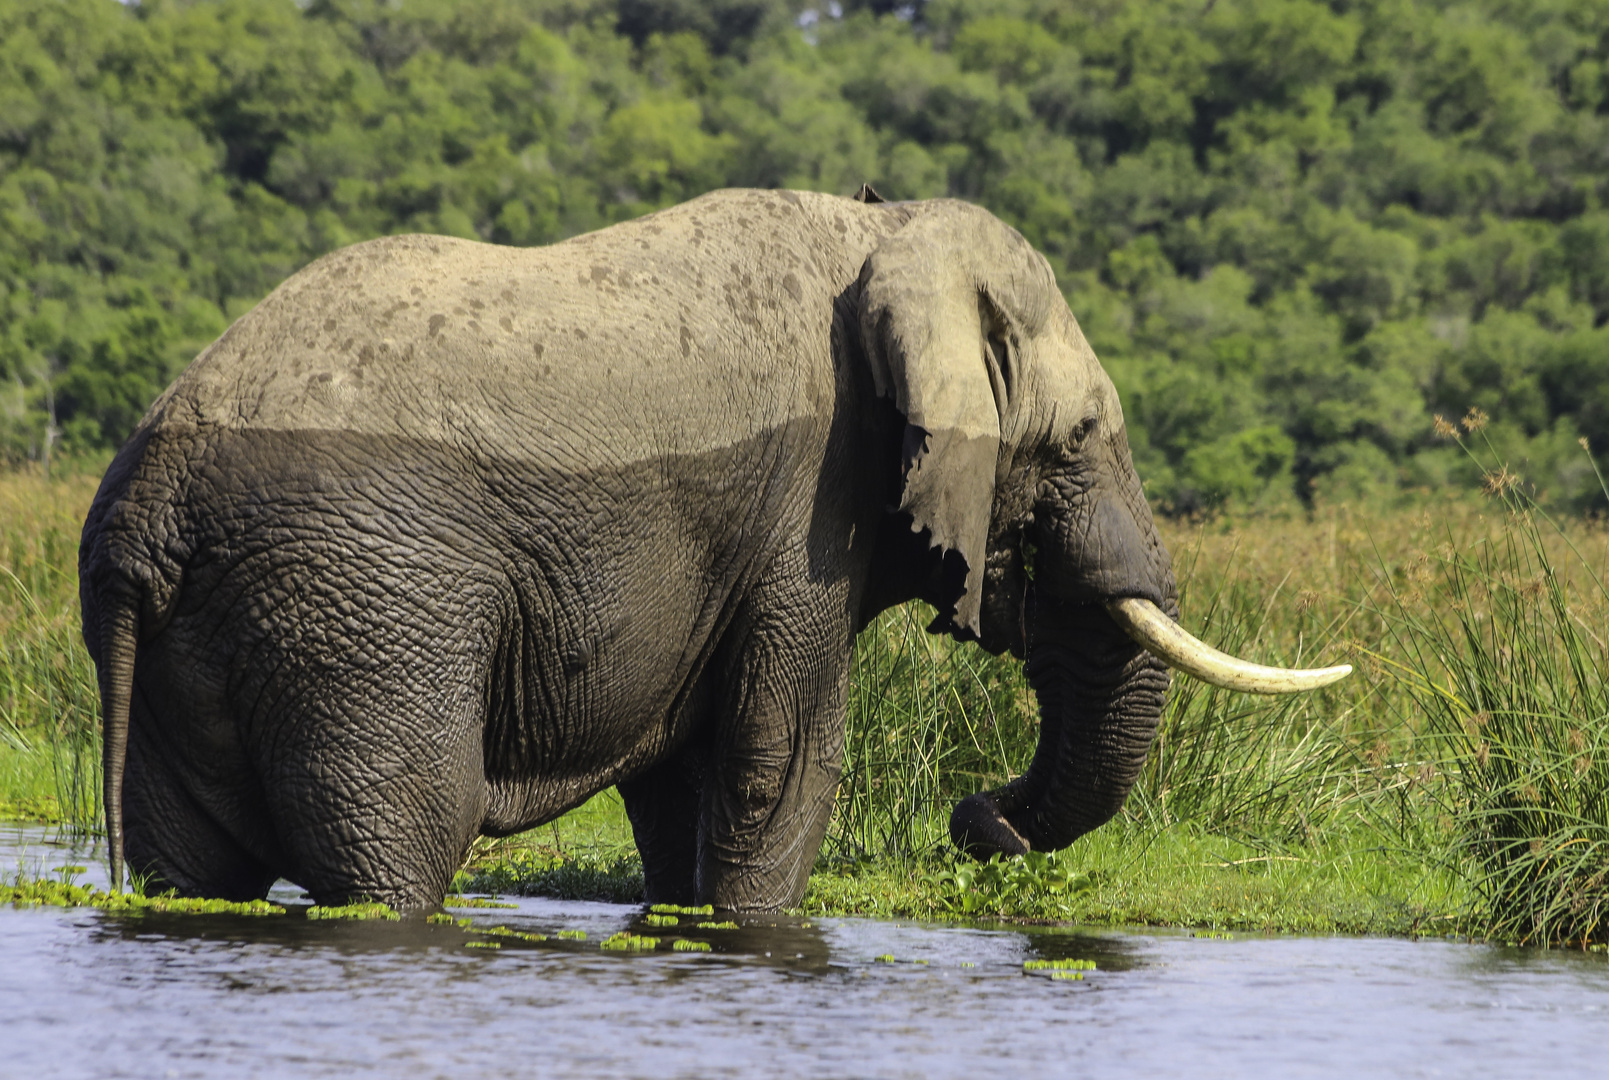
[[1293, 230]]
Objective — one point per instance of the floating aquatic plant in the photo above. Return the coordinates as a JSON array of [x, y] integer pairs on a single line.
[[41, 892], [503, 931], [440, 917], [628, 942], [482, 945], [717, 926], [360, 912], [677, 909], [661, 920], [572, 935], [684, 945], [475, 902], [968, 886], [1067, 975], [1058, 965]]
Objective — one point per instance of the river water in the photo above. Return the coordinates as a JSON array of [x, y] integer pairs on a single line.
[[85, 994]]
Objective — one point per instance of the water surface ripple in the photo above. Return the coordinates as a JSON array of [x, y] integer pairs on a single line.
[[84, 994]]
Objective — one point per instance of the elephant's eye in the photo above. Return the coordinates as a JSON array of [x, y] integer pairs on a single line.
[[1083, 430]]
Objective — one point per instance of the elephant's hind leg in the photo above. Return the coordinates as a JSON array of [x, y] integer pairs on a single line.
[[171, 841], [382, 792], [663, 804]]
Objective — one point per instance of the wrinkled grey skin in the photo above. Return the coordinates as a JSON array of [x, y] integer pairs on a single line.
[[442, 538]]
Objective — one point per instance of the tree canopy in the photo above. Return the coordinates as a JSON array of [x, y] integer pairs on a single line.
[[1292, 230]]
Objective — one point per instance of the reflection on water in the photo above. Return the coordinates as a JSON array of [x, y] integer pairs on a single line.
[[83, 994]]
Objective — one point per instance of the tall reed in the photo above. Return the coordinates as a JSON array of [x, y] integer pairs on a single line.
[[929, 721], [1506, 658], [1267, 769], [49, 707]]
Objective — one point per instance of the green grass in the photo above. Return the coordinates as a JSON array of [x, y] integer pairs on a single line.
[[1131, 872], [586, 855], [49, 707], [1508, 665]]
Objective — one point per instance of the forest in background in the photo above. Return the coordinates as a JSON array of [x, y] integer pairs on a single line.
[[1294, 231]]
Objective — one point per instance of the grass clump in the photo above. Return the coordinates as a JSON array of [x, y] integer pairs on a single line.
[[1135, 873], [40, 810], [49, 701], [1500, 655], [588, 854]]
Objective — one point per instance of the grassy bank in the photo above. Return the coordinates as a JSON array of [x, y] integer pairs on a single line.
[[1458, 782], [49, 714]]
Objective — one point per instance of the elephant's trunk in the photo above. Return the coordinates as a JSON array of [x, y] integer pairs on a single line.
[[1100, 698], [1102, 632]]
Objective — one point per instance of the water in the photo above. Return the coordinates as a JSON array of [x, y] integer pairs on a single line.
[[83, 994]]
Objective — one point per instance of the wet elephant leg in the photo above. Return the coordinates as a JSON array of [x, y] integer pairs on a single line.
[[385, 790], [777, 750], [170, 840], [662, 804]]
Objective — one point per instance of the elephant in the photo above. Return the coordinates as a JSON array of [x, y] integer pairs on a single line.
[[442, 538]]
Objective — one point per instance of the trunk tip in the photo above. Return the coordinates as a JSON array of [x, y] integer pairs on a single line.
[[978, 828]]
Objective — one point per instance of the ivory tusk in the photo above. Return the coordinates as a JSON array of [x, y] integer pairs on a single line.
[[1162, 637]]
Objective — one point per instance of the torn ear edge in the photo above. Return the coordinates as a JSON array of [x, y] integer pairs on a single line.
[[942, 495]]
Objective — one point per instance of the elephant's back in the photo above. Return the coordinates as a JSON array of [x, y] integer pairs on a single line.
[[680, 333]]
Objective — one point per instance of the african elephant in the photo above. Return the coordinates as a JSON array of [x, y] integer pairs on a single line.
[[442, 538]]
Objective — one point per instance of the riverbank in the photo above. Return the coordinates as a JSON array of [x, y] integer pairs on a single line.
[[1125, 874]]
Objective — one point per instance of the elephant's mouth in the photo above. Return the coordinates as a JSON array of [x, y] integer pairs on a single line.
[[1101, 675]]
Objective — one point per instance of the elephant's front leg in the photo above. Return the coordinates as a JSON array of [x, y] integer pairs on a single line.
[[777, 752]]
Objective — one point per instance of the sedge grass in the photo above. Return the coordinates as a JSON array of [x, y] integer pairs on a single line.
[[1504, 655], [49, 707]]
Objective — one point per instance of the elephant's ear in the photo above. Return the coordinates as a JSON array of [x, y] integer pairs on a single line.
[[931, 295]]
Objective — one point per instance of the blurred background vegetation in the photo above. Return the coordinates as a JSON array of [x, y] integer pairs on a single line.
[[1293, 230]]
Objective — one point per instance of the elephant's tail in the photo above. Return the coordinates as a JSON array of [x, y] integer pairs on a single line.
[[119, 632]]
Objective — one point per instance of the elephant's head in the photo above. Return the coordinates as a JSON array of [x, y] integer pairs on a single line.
[[1016, 460]]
